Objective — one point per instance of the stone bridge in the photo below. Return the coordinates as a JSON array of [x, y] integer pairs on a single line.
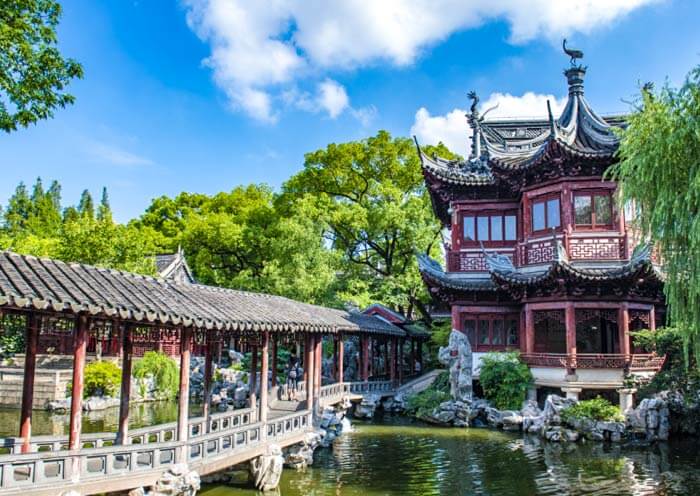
[[100, 465]]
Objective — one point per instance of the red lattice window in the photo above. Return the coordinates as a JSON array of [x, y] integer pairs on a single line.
[[491, 229], [491, 332], [593, 210]]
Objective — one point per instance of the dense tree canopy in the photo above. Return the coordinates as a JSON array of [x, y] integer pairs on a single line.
[[36, 224], [659, 171], [239, 239], [344, 229], [370, 197], [33, 74]]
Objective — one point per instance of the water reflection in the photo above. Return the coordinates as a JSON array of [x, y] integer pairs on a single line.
[[140, 415], [399, 457]]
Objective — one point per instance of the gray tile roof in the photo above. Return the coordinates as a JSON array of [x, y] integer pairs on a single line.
[[52, 285]]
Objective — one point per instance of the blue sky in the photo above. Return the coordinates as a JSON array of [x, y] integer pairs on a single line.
[[203, 95]]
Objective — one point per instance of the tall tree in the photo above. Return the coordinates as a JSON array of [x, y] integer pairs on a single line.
[[371, 196], [659, 172], [86, 206], [104, 211], [18, 209], [33, 73]]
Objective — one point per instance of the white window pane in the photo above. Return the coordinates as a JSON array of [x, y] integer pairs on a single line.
[[496, 228], [469, 228], [482, 228], [538, 217], [553, 219], [511, 229]]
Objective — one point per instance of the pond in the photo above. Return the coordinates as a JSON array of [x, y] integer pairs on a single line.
[[400, 457], [140, 415]]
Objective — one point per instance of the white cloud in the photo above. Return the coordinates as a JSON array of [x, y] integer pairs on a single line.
[[260, 48], [115, 155], [452, 128], [332, 97]]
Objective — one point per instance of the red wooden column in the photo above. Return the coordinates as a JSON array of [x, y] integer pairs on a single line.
[[125, 351], [570, 320], [364, 358], [208, 372], [183, 411], [264, 368], [529, 330], [652, 318], [32, 340], [623, 322], [392, 360], [339, 364], [274, 360], [318, 362], [76, 405], [309, 368], [253, 383]]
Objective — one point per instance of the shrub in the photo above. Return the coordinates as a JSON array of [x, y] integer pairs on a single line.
[[680, 371], [505, 379], [163, 369], [595, 409], [102, 378], [423, 403]]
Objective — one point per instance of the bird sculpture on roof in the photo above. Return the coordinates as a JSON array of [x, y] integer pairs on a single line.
[[571, 52]]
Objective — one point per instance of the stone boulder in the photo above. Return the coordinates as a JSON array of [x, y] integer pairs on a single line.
[[366, 408], [651, 419], [265, 470], [301, 455]]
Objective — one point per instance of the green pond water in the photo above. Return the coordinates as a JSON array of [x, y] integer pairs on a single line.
[[396, 456], [400, 457]]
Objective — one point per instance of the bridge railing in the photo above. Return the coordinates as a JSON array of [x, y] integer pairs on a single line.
[[371, 387], [230, 436], [145, 435]]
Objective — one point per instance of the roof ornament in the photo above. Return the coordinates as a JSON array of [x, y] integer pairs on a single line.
[[573, 53], [475, 120], [552, 126]]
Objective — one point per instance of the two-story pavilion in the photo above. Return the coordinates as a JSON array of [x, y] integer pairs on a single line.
[[540, 258]]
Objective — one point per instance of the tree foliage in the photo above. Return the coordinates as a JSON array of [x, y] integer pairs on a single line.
[[659, 172], [164, 371], [371, 199], [36, 224], [102, 378], [33, 73], [505, 379]]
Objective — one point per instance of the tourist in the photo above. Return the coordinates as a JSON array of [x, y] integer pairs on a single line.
[[293, 374]]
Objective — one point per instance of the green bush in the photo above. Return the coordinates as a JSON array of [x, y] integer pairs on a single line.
[[680, 371], [595, 409], [423, 403], [102, 378], [163, 369], [505, 379]]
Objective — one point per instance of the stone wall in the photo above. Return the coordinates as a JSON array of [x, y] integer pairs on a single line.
[[49, 385]]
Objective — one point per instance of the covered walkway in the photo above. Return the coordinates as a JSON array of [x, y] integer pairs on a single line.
[[51, 298]]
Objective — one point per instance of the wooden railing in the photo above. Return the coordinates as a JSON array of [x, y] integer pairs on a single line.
[[632, 362]]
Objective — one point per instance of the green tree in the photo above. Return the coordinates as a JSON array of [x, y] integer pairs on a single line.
[[371, 198], [33, 73], [86, 206], [104, 211], [18, 210], [659, 173]]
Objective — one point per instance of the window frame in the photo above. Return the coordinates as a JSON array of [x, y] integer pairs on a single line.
[[489, 214], [474, 337], [545, 199], [593, 194]]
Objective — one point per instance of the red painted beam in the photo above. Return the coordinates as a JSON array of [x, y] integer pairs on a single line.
[[264, 368], [76, 406], [184, 392], [208, 366]]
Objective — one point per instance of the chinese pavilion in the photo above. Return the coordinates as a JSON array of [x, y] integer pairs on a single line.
[[540, 259]]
